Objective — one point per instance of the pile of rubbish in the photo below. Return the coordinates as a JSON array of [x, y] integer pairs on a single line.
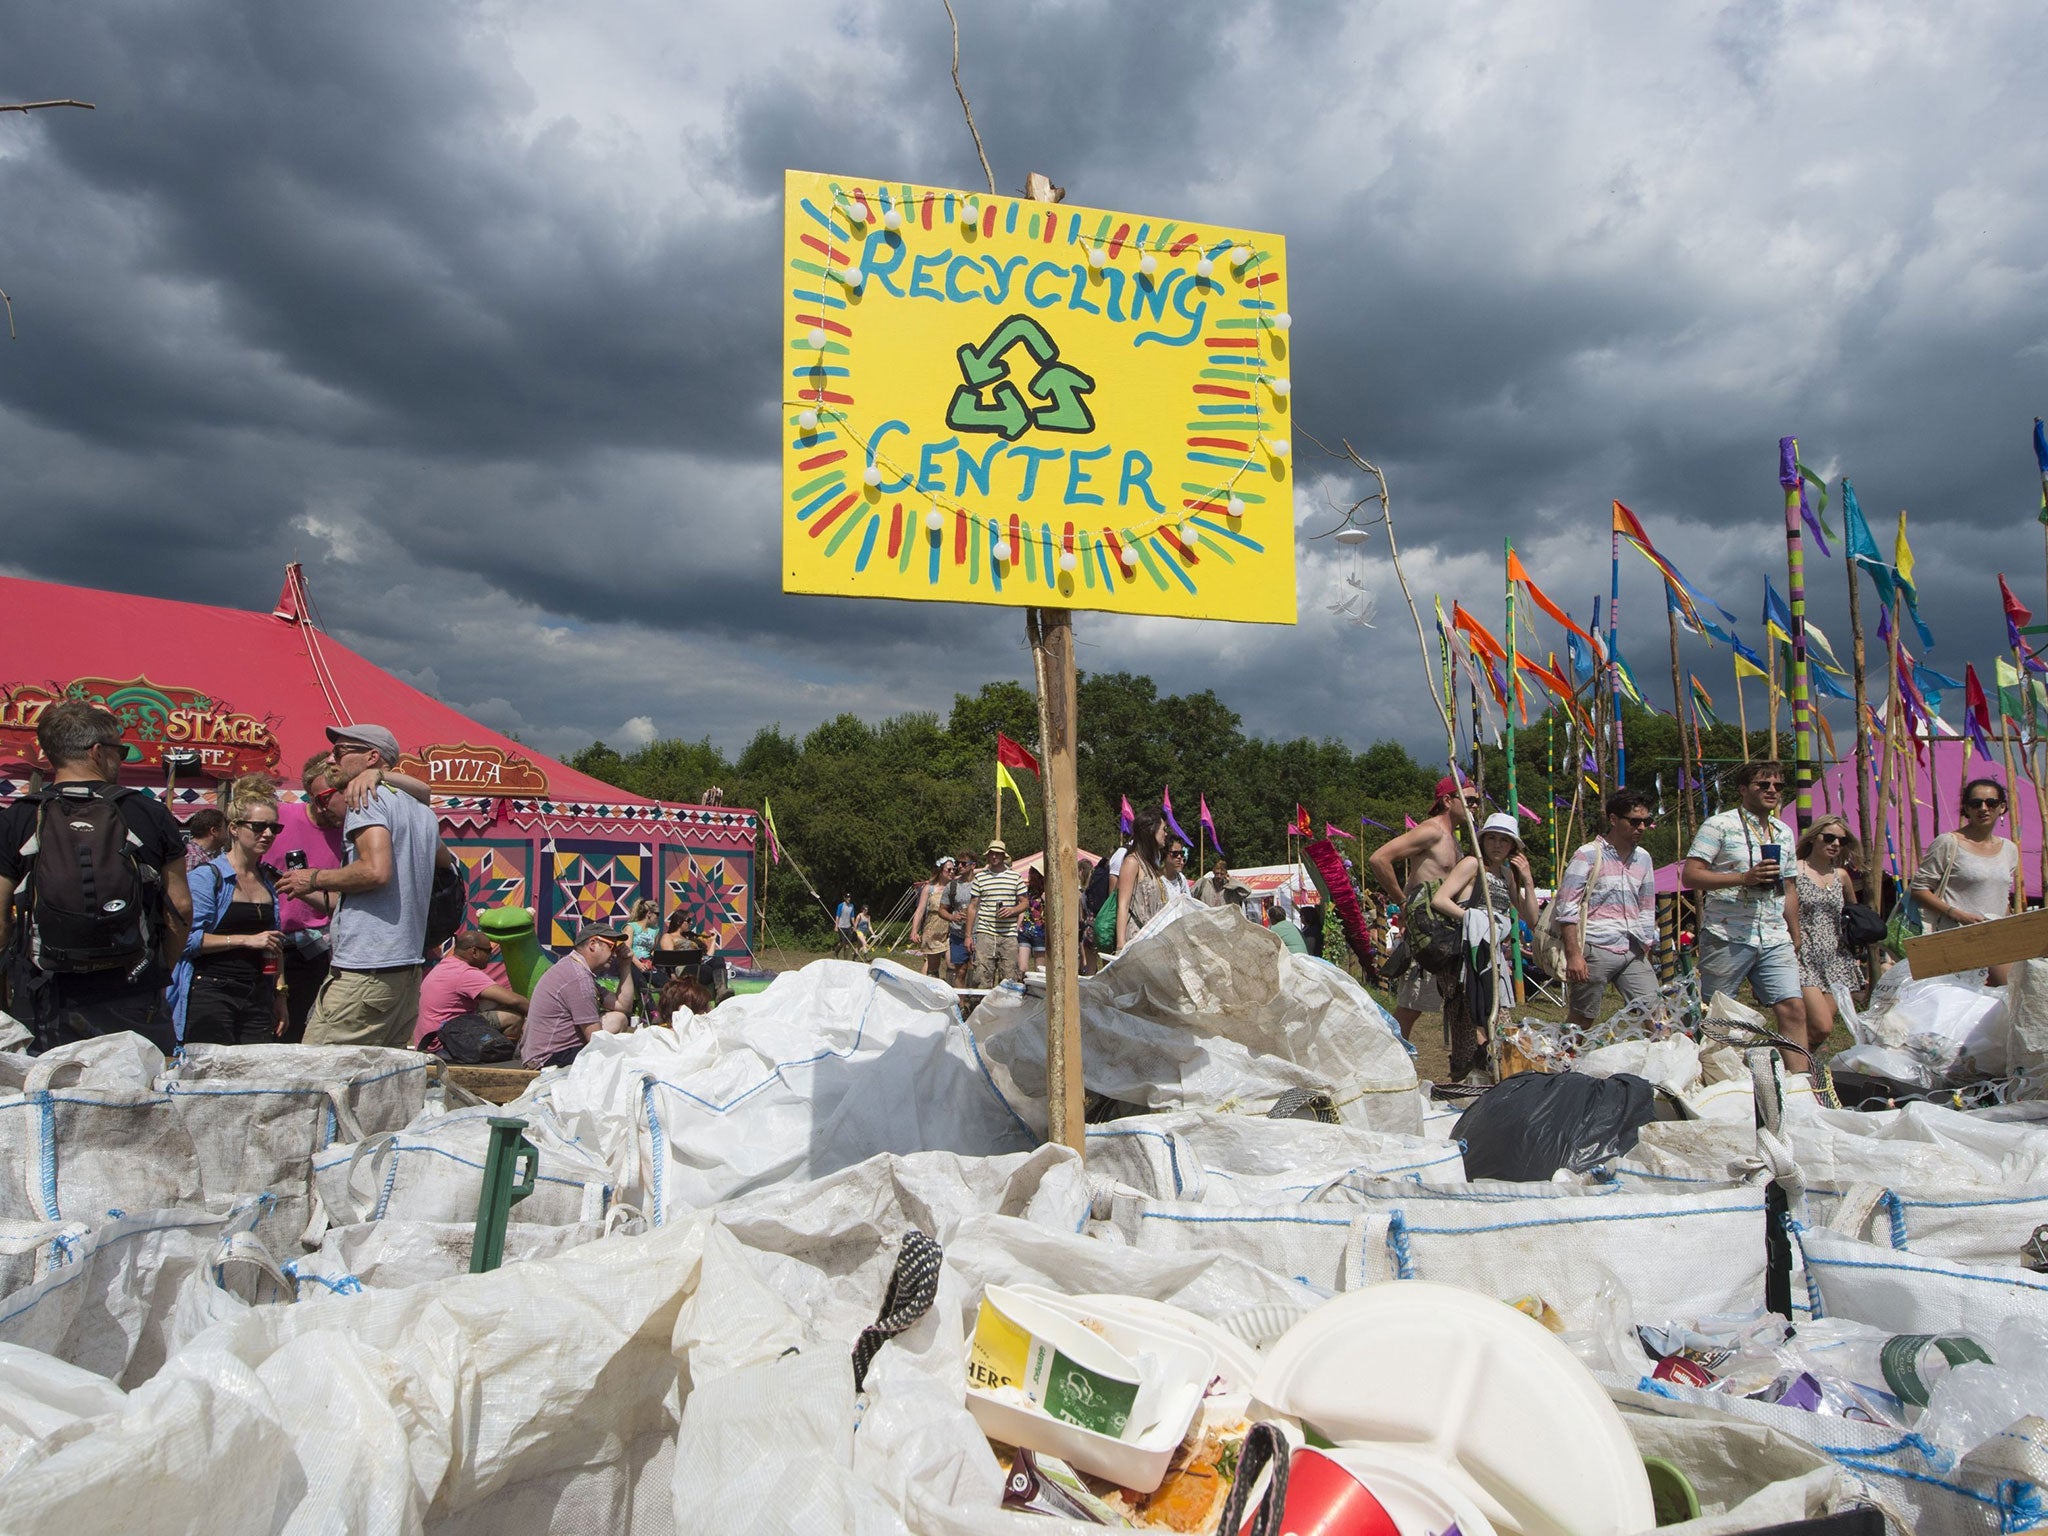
[[802, 1265]]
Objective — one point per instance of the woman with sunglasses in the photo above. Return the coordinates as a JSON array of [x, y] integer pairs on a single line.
[[1967, 877], [1826, 884], [232, 954]]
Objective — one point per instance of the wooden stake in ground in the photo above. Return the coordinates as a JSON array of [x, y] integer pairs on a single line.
[[1678, 714], [1052, 655], [1866, 825]]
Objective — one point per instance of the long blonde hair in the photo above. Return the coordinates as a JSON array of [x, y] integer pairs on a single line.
[[1851, 855]]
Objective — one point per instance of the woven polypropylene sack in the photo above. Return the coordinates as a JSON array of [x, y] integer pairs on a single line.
[[114, 1308], [258, 1114], [1962, 1224], [1222, 1159], [434, 1171], [393, 1253], [1687, 1253], [1914, 1293], [829, 1066], [82, 1153], [31, 1249], [1328, 1247]]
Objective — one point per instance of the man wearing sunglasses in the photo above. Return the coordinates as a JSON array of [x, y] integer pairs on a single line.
[[564, 1013], [1605, 912], [1749, 921]]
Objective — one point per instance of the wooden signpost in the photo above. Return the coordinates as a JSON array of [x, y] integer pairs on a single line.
[[1975, 945], [1020, 402]]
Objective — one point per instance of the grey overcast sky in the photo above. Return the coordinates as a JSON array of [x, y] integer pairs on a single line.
[[474, 309]]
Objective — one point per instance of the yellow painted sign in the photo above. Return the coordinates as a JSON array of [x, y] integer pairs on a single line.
[[994, 400]]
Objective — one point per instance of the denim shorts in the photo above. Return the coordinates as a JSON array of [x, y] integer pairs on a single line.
[[1772, 970]]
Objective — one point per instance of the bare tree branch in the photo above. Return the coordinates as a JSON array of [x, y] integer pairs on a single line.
[[37, 106], [961, 92]]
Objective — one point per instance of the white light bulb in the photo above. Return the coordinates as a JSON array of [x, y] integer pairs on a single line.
[[857, 212], [853, 277], [1067, 561], [1236, 507], [1279, 447], [817, 337], [1282, 388], [969, 212], [1204, 267], [1148, 264], [1098, 258], [892, 220], [873, 476], [1181, 529], [1282, 320], [807, 420], [1000, 552], [1239, 256], [935, 520]]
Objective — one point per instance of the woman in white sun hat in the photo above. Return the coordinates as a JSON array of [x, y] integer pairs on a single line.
[[1511, 891]]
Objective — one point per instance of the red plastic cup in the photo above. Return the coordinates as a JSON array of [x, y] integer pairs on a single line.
[[1323, 1499]]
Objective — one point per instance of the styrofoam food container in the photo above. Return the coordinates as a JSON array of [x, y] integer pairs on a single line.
[[1478, 1388], [1140, 1464]]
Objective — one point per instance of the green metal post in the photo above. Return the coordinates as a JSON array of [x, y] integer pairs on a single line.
[[509, 1169]]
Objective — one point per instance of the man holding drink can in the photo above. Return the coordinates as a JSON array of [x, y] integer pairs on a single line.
[[1749, 921]]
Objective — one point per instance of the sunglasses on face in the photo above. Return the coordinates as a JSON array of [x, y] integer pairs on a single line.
[[1770, 787], [263, 828], [1831, 837], [1983, 805], [1640, 821]]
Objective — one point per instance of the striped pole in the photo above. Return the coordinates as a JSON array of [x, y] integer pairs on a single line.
[[1795, 578]]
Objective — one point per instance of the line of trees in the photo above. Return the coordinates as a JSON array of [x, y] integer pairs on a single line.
[[866, 808]]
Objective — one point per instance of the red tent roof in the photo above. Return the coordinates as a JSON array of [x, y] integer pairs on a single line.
[[241, 686]]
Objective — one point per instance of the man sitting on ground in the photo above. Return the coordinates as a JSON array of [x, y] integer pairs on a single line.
[[462, 983], [564, 1013]]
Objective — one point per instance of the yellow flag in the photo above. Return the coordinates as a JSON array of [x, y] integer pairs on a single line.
[[1746, 668], [1902, 557], [1003, 782]]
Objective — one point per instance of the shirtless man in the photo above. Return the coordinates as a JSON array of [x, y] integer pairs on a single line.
[[1431, 849]]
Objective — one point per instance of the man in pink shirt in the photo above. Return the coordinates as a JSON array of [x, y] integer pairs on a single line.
[[462, 983]]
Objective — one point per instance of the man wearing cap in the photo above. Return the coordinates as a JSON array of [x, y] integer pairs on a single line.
[[564, 1013], [994, 903], [378, 934], [1431, 849]]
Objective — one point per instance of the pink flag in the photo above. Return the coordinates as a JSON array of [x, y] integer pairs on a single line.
[[1331, 829], [1208, 823], [1124, 819], [1166, 808], [1409, 819]]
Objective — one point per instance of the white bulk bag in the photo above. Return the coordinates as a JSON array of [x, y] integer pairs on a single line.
[[1904, 1292], [1227, 1159]]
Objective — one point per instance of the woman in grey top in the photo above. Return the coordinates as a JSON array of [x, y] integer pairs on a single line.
[[1967, 876]]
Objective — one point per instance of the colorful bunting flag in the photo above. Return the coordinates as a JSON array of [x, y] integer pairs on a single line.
[[1518, 572], [2010, 705], [1777, 617], [1331, 829], [1012, 755], [1166, 810], [1821, 652], [1747, 662], [1208, 823], [1976, 714], [1702, 701], [1124, 814], [1861, 547], [1902, 560], [1579, 655], [2017, 617], [1003, 782], [1816, 519], [2041, 458], [1303, 827], [774, 841]]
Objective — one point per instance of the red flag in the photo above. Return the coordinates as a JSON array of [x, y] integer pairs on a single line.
[[1010, 755], [289, 610], [1977, 711], [1518, 572], [1331, 829], [1302, 825]]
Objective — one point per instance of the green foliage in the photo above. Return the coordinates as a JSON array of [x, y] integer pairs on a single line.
[[867, 808]]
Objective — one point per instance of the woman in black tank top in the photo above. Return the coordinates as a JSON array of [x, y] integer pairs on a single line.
[[234, 998]]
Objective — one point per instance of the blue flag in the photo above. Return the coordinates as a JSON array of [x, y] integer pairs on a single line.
[[1862, 550], [1580, 656], [1777, 617]]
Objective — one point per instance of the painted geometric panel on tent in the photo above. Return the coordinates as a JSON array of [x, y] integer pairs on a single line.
[[498, 872], [713, 891], [592, 882], [995, 400]]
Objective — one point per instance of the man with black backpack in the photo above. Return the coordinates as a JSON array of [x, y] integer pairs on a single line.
[[93, 902]]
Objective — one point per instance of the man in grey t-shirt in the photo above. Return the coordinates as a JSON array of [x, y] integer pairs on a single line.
[[372, 992]]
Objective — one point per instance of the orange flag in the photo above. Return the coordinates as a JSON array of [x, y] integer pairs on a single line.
[[1482, 640], [1519, 572]]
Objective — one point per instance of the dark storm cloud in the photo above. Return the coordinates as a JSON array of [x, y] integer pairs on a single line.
[[475, 310]]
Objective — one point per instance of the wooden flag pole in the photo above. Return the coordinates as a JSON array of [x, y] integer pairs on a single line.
[[1741, 711], [1771, 646], [1802, 694]]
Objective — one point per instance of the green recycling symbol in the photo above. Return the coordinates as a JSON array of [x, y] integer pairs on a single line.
[[1056, 390]]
